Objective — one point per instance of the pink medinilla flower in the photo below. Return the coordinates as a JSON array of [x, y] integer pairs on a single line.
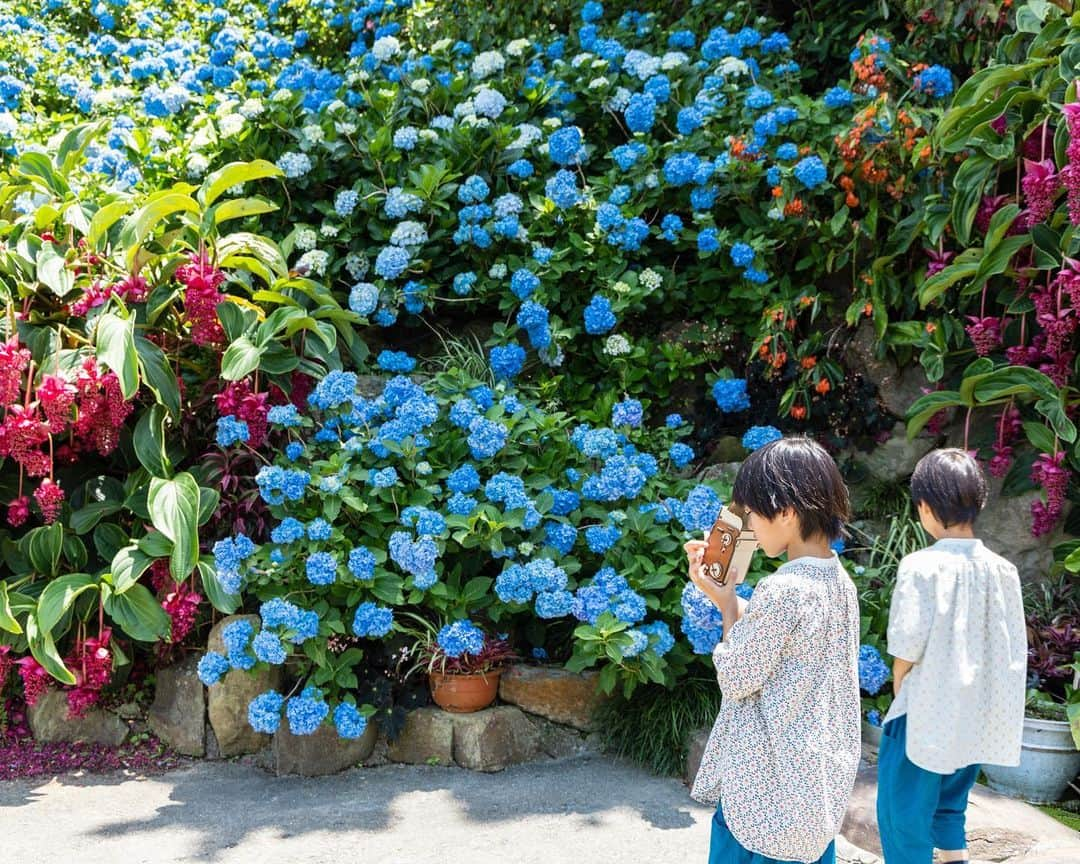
[[238, 400], [182, 606], [201, 299], [1041, 185], [6, 662], [989, 205], [18, 511], [985, 333], [13, 362], [56, 398], [50, 498], [999, 124], [34, 677], [1010, 425], [938, 261], [1071, 172], [1049, 471]]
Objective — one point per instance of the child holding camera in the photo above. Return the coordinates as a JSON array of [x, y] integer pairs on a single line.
[[781, 760]]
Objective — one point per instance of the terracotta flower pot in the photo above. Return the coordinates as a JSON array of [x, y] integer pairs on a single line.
[[464, 694]]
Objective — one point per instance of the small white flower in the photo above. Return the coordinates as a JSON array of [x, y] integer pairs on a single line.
[[409, 233], [231, 124], [581, 59], [197, 165], [305, 238], [385, 48], [441, 45], [281, 95], [552, 123], [497, 271], [345, 129], [526, 548], [733, 67], [252, 108], [464, 108], [617, 345], [236, 189], [420, 85], [328, 230], [650, 279], [312, 134], [315, 261], [651, 181], [429, 135], [527, 135], [517, 47], [673, 60], [357, 264], [620, 100], [620, 287], [488, 63], [598, 83]]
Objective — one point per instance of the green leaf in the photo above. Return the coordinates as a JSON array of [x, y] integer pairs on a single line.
[[174, 511], [109, 538], [156, 545], [53, 271], [149, 441], [241, 358], [85, 518], [44, 650], [1015, 381], [158, 375], [220, 181], [143, 221], [234, 319], [219, 598], [208, 504], [925, 407], [7, 616], [43, 547], [969, 183], [965, 266], [104, 219], [115, 340], [1054, 412], [240, 207], [1040, 437], [59, 596], [128, 565], [37, 167], [138, 614]]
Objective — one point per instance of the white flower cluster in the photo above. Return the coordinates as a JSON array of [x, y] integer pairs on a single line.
[[305, 238], [314, 261], [386, 48], [409, 233], [488, 63], [616, 345]]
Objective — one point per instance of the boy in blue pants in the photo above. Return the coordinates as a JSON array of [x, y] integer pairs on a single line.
[[956, 631]]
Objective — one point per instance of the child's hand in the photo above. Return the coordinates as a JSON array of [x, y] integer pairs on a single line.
[[722, 596]]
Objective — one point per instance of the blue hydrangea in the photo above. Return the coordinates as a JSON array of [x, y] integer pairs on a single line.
[[873, 672], [508, 490], [873, 717], [730, 395], [268, 648], [345, 202], [601, 538], [689, 119], [640, 113], [364, 298], [660, 637], [348, 721], [406, 137], [384, 478], [758, 436], [463, 283], [592, 11], [708, 241], [701, 623], [520, 168], [627, 155], [674, 421], [264, 712], [319, 529], [599, 318], [474, 190], [361, 563], [211, 667], [758, 98], [523, 283], [838, 97], [463, 479], [231, 431], [627, 413], [680, 168], [396, 361], [506, 361], [294, 450], [461, 504], [554, 604], [935, 81], [742, 254], [278, 612], [284, 415], [787, 152], [372, 621], [400, 203], [659, 88], [699, 511], [489, 103], [810, 171], [639, 643], [562, 189], [681, 454], [752, 274], [560, 536], [321, 568], [306, 712], [460, 637], [565, 145], [391, 262]]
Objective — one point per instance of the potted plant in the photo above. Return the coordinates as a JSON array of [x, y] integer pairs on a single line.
[[1049, 759], [462, 662]]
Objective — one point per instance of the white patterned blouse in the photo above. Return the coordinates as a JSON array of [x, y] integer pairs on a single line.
[[783, 753]]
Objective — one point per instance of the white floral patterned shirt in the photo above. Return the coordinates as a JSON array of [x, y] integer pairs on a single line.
[[783, 753], [957, 613]]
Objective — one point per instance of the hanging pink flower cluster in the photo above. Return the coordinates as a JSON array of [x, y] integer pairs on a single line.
[[182, 607], [985, 333], [6, 662], [238, 400], [1041, 185], [35, 679], [201, 298], [133, 289], [1010, 426], [989, 205], [1071, 173], [1050, 473], [938, 261], [92, 664]]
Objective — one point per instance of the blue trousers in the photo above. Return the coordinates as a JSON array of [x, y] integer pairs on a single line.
[[918, 811], [725, 849]]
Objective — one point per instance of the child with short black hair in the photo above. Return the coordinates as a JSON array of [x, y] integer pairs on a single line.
[[956, 631], [781, 760]]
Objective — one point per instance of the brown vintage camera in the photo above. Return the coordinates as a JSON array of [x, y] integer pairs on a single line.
[[728, 545]]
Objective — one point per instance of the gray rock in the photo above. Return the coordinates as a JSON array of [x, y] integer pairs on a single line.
[[897, 388], [321, 753], [1005, 526], [178, 715], [569, 698], [213, 750], [228, 700], [562, 742], [427, 739], [695, 752], [370, 386], [895, 459], [50, 721], [723, 471], [494, 738], [998, 844]]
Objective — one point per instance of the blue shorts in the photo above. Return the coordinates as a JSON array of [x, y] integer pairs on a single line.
[[918, 811], [725, 849]]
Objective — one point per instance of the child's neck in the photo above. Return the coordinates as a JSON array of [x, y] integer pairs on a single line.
[[815, 547], [956, 532]]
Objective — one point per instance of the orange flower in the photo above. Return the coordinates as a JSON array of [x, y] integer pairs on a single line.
[[798, 412], [805, 301], [868, 309], [822, 386], [931, 327], [790, 324], [777, 191], [851, 200], [794, 208], [809, 362], [780, 359], [846, 183]]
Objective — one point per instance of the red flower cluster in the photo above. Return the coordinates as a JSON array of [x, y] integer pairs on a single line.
[[1050, 473], [34, 678], [1071, 173], [134, 289], [202, 280], [182, 606], [1009, 427], [1041, 185], [985, 333], [238, 400], [92, 665]]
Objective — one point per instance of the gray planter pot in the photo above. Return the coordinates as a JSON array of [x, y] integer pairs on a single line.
[[1049, 761]]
